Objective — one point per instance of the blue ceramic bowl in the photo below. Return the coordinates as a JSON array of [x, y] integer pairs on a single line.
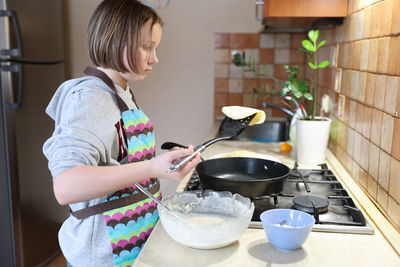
[[287, 229]]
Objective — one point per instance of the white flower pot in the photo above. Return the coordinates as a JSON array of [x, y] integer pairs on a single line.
[[312, 140]]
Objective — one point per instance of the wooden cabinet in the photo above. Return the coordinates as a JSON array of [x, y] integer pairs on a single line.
[[291, 13], [305, 8]]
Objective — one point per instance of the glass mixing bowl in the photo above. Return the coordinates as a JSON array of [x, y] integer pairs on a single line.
[[209, 219]]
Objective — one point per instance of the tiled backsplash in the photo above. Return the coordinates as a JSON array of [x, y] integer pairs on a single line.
[[234, 86], [365, 135]]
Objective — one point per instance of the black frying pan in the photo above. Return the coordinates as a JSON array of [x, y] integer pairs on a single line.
[[249, 177]]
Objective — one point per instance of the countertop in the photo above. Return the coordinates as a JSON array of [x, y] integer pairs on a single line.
[[253, 249]]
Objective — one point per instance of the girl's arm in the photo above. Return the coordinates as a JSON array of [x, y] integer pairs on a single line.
[[84, 183]]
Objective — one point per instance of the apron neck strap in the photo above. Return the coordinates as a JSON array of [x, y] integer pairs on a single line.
[[102, 76]]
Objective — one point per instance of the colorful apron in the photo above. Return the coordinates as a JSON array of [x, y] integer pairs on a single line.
[[130, 215]]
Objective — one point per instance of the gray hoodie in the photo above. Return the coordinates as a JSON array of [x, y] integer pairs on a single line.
[[88, 131]]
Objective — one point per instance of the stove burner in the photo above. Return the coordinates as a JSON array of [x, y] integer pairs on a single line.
[[310, 203]]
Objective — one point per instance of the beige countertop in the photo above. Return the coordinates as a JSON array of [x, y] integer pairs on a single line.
[[253, 249]]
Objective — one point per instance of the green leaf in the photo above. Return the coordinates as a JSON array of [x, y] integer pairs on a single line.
[[237, 60], [284, 91], [297, 94], [313, 35], [323, 64], [312, 65], [303, 86], [321, 44], [287, 68], [308, 96], [308, 45], [296, 84]]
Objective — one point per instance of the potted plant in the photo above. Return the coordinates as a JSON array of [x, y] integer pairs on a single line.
[[312, 132]]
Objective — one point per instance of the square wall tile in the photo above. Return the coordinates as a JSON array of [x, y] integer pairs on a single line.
[[282, 40], [394, 211], [249, 84], [364, 55], [357, 148], [373, 54], [367, 22], [220, 99], [359, 117], [394, 55], [350, 142], [387, 132], [249, 100], [364, 155], [221, 70], [252, 54], [235, 85], [394, 183], [282, 56], [362, 82], [384, 169], [296, 39], [235, 99], [221, 85], [370, 89], [355, 75], [359, 25], [377, 11], [380, 87], [372, 187], [266, 56], [397, 111], [267, 40], [252, 40], [221, 55], [235, 71], [382, 198], [383, 53], [297, 57], [352, 115], [396, 139], [373, 167], [376, 126], [386, 18], [395, 27], [267, 70], [221, 40], [363, 178], [237, 40], [367, 121], [392, 88]]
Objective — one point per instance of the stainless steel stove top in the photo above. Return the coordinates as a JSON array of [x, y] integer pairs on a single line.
[[341, 215]]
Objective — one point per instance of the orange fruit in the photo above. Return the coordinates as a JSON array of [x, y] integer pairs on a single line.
[[285, 147]]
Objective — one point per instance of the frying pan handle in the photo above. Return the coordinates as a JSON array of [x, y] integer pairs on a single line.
[[171, 145]]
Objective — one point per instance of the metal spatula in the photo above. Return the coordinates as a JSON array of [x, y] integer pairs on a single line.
[[229, 128]]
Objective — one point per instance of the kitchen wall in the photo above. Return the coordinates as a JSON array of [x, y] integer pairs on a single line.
[[363, 82], [366, 135], [178, 95]]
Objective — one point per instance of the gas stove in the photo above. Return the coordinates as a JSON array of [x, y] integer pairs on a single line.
[[315, 191]]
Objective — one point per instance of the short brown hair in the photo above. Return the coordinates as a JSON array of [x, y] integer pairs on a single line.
[[116, 23]]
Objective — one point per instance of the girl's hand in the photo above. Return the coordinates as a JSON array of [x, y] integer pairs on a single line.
[[163, 162]]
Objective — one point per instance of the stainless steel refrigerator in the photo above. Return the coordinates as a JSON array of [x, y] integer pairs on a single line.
[[32, 67]]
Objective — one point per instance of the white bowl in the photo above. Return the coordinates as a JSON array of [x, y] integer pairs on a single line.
[[210, 219]]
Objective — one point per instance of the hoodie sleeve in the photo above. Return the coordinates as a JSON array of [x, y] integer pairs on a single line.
[[81, 130]]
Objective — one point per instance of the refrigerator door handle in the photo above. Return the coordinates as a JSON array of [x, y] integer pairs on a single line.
[[17, 68], [16, 52]]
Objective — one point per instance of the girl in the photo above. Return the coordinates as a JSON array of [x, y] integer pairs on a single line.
[[103, 143]]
